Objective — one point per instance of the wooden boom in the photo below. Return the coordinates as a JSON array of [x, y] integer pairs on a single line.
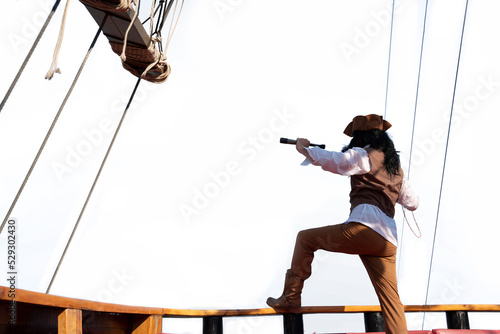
[[142, 58]]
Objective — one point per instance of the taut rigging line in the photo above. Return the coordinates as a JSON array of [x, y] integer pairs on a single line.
[[163, 12], [415, 114], [389, 60], [446, 153], [94, 184], [49, 132], [28, 56]]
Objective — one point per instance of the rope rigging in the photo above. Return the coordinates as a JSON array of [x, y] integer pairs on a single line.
[[94, 184], [158, 70], [155, 37], [385, 108], [28, 56], [446, 153], [158, 62], [145, 58], [120, 6], [49, 132], [53, 67], [389, 60], [415, 114], [149, 73], [413, 135]]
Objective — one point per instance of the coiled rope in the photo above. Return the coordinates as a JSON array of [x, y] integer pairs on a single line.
[[152, 56], [158, 70], [149, 63], [138, 54]]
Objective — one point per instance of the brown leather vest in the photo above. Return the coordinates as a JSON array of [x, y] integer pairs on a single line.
[[377, 187]]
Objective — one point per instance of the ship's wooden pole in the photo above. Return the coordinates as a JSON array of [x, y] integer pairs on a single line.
[[212, 325], [293, 323], [69, 321], [457, 320]]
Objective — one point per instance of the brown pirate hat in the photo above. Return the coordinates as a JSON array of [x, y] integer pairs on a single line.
[[365, 123]]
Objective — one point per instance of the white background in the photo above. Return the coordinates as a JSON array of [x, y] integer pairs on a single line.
[[198, 205]]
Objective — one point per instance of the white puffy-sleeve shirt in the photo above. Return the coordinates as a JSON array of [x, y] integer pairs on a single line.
[[355, 161]]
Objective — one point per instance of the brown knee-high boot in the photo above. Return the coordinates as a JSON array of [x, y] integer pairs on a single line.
[[290, 300]]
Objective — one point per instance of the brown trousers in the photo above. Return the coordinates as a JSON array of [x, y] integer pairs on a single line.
[[377, 254]]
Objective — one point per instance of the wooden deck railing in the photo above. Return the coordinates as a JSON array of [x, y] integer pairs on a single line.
[[42, 313]]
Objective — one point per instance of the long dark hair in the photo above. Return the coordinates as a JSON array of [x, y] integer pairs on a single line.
[[378, 140]]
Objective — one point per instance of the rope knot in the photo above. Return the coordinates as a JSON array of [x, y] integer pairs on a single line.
[[51, 72]]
